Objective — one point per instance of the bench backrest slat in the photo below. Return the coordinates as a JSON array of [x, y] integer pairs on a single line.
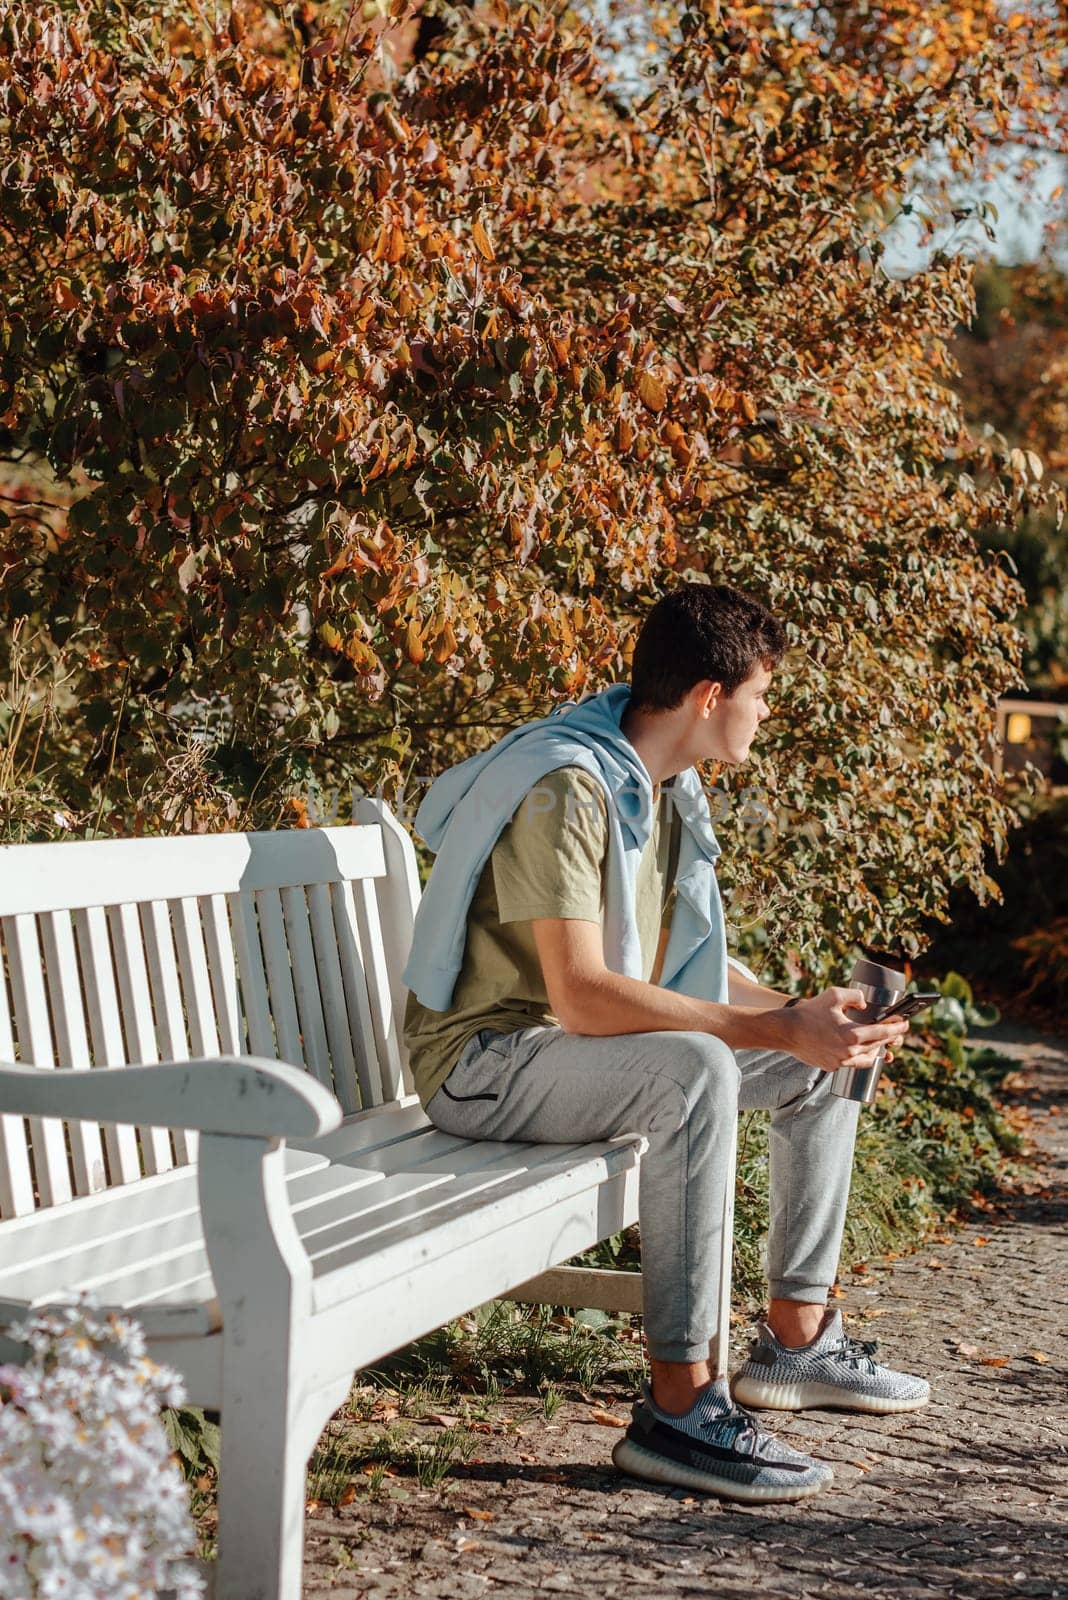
[[16, 1178], [72, 1041], [48, 1149], [166, 992], [135, 1006], [105, 1030], [338, 1013], [306, 985], [142, 950], [222, 968]]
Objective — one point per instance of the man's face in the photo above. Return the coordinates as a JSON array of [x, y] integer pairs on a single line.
[[730, 723]]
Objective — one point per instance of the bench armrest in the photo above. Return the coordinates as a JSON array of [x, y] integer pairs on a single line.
[[247, 1095]]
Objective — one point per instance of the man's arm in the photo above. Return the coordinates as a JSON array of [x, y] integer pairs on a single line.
[[745, 991], [587, 998]]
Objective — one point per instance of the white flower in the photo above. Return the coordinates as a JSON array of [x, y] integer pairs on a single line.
[[92, 1505]]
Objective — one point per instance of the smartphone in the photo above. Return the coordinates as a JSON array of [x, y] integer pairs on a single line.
[[907, 1007]]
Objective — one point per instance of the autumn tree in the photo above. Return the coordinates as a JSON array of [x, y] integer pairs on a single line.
[[358, 403]]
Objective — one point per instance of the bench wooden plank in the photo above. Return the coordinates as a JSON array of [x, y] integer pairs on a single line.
[[72, 1041], [135, 1005], [16, 1179], [332, 993], [372, 949], [444, 1235], [223, 969], [195, 978], [165, 989], [105, 1031], [254, 1000], [34, 1030], [51, 877], [357, 998], [281, 996], [306, 985]]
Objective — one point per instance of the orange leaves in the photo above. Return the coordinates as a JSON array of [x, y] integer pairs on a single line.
[[414, 648], [481, 240], [390, 244], [651, 391]]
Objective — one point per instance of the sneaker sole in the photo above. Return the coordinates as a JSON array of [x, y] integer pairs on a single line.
[[799, 1396], [641, 1463]]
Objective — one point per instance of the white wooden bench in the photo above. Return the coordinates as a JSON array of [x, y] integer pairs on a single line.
[[273, 1227]]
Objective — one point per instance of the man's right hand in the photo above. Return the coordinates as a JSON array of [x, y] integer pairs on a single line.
[[821, 1033]]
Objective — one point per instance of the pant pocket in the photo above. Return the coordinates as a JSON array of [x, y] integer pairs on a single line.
[[469, 1095]]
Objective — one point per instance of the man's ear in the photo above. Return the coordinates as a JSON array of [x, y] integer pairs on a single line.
[[708, 695]]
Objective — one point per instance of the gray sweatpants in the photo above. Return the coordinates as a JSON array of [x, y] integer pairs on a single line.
[[683, 1092]]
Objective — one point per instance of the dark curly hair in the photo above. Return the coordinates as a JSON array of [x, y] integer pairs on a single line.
[[698, 631]]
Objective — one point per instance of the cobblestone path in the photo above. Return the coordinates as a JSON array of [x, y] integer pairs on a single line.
[[967, 1498]]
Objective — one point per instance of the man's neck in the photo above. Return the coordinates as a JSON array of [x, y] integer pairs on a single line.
[[658, 757]]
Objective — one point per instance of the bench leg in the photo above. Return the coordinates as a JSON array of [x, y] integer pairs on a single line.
[[274, 1400], [262, 1481]]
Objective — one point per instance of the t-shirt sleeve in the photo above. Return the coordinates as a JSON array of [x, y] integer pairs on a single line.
[[548, 861]]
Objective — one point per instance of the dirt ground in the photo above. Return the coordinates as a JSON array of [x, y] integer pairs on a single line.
[[967, 1498]]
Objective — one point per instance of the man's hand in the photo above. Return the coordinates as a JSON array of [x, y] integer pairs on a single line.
[[821, 1033]]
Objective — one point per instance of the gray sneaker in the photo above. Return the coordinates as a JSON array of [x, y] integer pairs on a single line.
[[718, 1448], [833, 1370]]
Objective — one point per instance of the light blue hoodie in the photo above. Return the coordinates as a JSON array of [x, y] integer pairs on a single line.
[[467, 807]]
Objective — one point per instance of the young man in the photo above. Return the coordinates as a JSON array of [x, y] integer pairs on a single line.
[[569, 982]]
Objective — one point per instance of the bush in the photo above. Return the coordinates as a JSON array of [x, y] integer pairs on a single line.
[[91, 1505], [1010, 947], [356, 407]]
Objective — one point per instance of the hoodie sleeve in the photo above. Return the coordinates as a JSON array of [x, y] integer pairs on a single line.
[[549, 860]]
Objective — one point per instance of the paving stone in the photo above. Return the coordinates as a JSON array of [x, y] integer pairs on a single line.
[[966, 1499]]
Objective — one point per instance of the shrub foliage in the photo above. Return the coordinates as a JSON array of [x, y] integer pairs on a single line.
[[358, 400]]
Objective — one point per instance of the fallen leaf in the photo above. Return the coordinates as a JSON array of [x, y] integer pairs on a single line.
[[443, 1419], [969, 1351], [995, 1361], [935, 1264], [311, 1506], [862, 1466], [979, 1241], [606, 1419], [1039, 1356], [349, 1496], [479, 1516], [839, 1294], [469, 1544]]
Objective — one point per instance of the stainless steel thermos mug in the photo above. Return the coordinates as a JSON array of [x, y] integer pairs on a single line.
[[881, 986]]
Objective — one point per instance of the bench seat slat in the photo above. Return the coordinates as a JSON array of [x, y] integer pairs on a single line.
[[115, 1259], [146, 1246], [454, 1221]]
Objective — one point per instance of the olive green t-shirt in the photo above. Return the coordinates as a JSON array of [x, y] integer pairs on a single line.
[[548, 862]]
